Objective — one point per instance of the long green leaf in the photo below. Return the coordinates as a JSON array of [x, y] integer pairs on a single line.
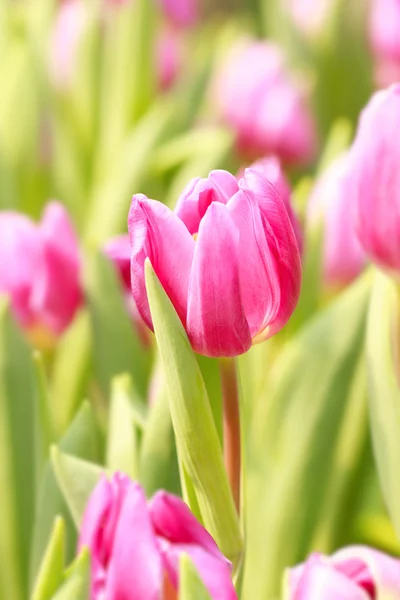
[[77, 584], [51, 571]]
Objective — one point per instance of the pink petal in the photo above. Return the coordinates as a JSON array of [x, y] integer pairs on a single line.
[[57, 294], [118, 249], [216, 320], [283, 246], [135, 569], [215, 574], [259, 280], [157, 233], [173, 520]]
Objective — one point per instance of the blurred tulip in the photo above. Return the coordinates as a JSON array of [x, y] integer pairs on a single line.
[[255, 96], [40, 270], [169, 58], [181, 13], [333, 203], [375, 159], [227, 258], [136, 545], [354, 573], [385, 40], [118, 249], [310, 17], [271, 169]]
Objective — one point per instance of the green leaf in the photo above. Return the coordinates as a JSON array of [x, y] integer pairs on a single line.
[[384, 388], [81, 439], [196, 436], [294, 437], [51, 572], [17, 456], [77, 478], [77, 584], [43, 430], [117, 347], [191, 586], [122, 438]]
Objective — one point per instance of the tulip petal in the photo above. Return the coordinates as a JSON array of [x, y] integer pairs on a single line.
[[224, 183], [158, 234], [215, 574], [173, 520], [259, 281], [187, 207], [135, 569], [216, 321], [282, 242], [57, 293]]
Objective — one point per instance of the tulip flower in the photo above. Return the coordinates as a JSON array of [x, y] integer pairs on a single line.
[[169, 58], [40, 270], [135, 545], [271, 168], [266, 110], [308, 16], [333, 203], [385, 40], [181, 13], [118, 250], [375, 159], [227, 258], [354, 573]]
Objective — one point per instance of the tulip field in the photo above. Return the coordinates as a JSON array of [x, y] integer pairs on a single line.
[[199, 300]]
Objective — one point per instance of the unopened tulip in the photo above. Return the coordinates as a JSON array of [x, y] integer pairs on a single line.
[[385, 40], [136, 545], [181, 13], [375, 159], [354, 573], [257, 99], [271, 169], [169, 58], [40, 270], [333, 204], [227, 258]]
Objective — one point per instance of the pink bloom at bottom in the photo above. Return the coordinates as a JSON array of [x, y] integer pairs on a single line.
[[354, 573], [136, 545]]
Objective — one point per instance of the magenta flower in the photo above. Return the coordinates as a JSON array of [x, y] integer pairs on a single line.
[[375, 159], [385, 40], [354, 573], [40, 269], [333, 203], [181, 13], [136, 545], [227, 258], [256, 97]]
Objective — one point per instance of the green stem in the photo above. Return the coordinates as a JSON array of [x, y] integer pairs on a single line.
[[231, 425]]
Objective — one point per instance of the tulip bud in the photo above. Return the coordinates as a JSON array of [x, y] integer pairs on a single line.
[[375, 159], [354, 573], [227, 258], [181, 13], [255, 96], [385, 40], [333, 203], [40, 271], [136, 545], [169, 58]]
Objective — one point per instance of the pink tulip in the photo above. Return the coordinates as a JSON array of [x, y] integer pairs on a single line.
[[40, 269], [67, 31], [354, 573], [256, 97], [310, 17], [375, 159], [169, 58], [136, 545], [181, 13], [271, 169], [333, 203], [385, 40], [227, 258]]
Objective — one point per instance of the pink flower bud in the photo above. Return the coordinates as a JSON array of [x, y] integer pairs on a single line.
[[333, 203], [227, 258], [256, 97], [67, 31], [385, 40], [40, 269], [375, 159], [136, 545], [169, 58], [182, 13], [354, 573]]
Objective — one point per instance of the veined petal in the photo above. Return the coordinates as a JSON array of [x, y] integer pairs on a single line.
[[135, 570], [158, 234], [173, 520], [282, 242], [259, 280], [216, 320]]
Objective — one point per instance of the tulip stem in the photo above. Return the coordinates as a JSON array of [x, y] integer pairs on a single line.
[[231, 425]]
